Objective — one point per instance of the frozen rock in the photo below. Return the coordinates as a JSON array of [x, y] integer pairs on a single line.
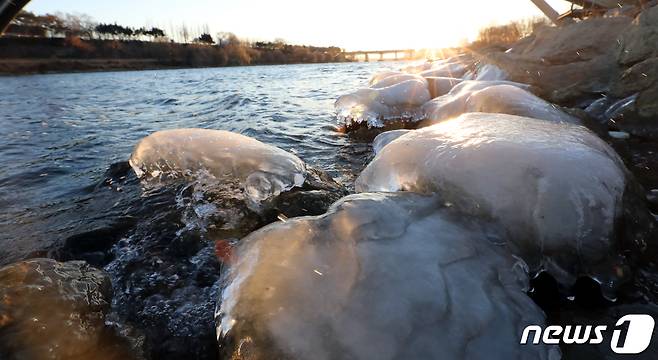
[[381, 75], [54, 310], [439, 86], [492, 97], [417, 68], [380, 276], [508, 99], [262, 171], [557, 188], [452, 69], [490, 72], [395, 79], [384, 138], [374, 108]]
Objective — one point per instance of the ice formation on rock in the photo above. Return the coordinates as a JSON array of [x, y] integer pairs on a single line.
[[376, 107], [380, 276], [381, 75], [451, 69], [490, 72], [512, 100], [394, 79], [262, 170], [557, 188], [493, 97], [439, 86], [384, 138]]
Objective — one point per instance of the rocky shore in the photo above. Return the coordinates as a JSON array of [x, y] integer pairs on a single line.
[[506, 189]]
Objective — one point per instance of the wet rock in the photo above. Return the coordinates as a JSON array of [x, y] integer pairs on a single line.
[[54, 310], [556, 188], [382, 276]]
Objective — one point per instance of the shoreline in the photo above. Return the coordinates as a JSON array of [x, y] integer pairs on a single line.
[[25, 67]]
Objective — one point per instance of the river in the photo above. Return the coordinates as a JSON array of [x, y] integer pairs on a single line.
[[62, 131]]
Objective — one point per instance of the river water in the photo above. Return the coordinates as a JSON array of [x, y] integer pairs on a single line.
[[60, 132]]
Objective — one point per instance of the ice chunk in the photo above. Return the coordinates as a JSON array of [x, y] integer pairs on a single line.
[[384, 138], [453, 69], [380, 276], [376, 107], [500, 98], [395, 79], [417, 68], [439, 86], [557, 188], [508, 99], [490, 72], [379, 76], [261, 170]]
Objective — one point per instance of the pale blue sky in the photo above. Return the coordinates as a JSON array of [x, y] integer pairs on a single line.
[[351, 24]]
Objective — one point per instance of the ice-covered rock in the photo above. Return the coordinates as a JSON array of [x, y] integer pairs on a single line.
[[381, 75], [439, 86], [490, 72], [394, 79], [451, 69], [508, 99], [54, 310], [261, 170], [380, 276], [374, 108], [492, 97], [384, 138], [559, 190], [417, 68]]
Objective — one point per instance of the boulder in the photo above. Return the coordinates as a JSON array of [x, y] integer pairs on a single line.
[[55, 310], [492, 97], [380, 276], [569, 63], [378, 108], [562, 193]]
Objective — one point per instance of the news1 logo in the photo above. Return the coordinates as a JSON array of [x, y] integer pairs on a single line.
[[637, 339]]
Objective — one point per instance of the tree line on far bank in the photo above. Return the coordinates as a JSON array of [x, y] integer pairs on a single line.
[[84, 38]]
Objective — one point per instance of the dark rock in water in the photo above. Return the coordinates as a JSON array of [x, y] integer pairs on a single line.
[[54, 310], [160, 248], [379, 276]]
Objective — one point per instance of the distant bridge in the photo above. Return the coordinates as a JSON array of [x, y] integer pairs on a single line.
[[404, 54]]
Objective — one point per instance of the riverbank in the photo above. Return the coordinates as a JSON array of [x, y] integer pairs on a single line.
[[72, 54]]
